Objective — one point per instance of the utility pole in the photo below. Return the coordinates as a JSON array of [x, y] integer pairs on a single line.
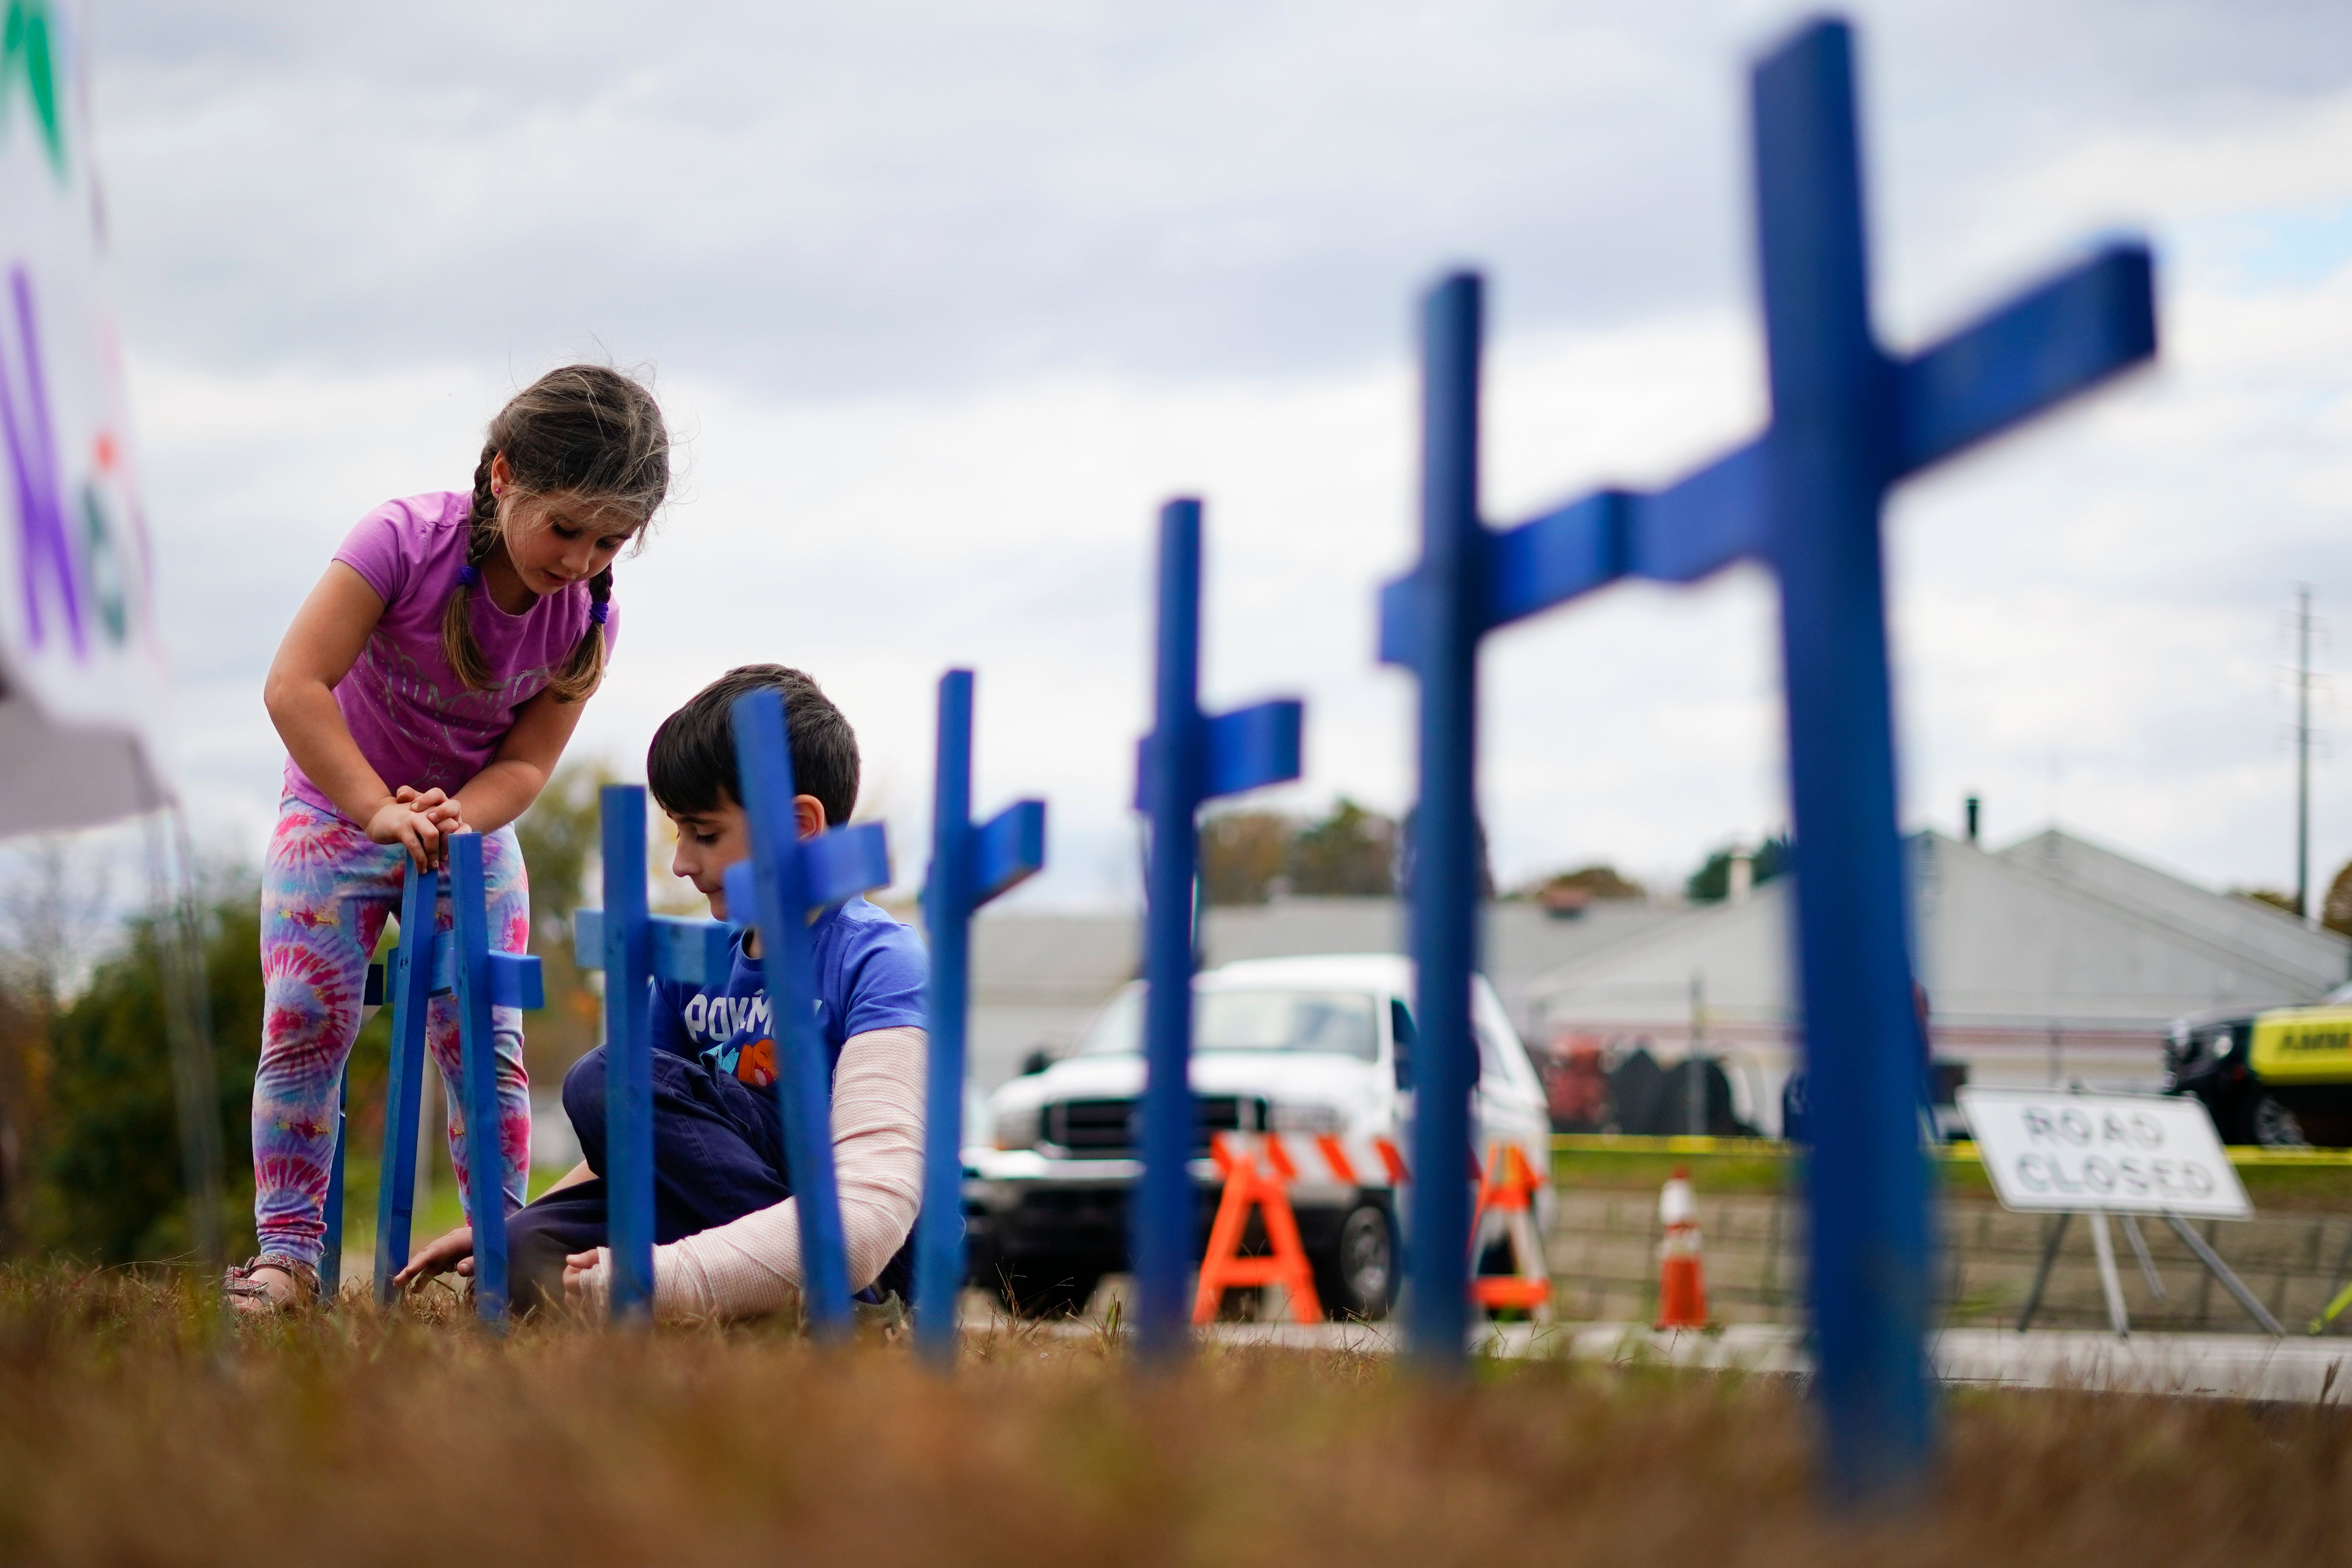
[[1694, 1067], [2302, 751]]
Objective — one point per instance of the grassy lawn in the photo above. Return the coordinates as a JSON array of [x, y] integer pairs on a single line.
[[129, 1434]]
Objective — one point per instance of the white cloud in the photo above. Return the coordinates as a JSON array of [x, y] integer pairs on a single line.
[[947, 305]]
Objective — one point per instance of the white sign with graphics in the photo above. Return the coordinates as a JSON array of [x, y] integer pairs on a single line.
[[83, 686], [2049, 1150]]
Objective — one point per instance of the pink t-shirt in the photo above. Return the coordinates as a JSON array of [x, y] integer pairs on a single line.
[[415, 721]]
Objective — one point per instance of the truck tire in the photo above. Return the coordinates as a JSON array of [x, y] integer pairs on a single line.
[[1356, 1278], [2272, 1125], [1045, 1287]]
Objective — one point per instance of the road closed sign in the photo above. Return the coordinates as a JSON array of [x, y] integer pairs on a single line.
[[2124, 1154]]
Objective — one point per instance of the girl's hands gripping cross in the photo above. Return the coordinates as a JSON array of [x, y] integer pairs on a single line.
[[420, 821]]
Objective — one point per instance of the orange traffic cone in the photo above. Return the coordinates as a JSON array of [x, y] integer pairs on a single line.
[[1509, 1188], [1223, 1267], [1682, 1284]]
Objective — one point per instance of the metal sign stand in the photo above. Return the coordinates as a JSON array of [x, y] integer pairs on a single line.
[[1849, 420], [970, 865], [2111, 1283]]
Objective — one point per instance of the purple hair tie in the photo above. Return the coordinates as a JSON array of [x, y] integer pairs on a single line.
[[470, 577], [598, 611]]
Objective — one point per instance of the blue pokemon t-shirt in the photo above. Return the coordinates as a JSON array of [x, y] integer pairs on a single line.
[[871, 973]]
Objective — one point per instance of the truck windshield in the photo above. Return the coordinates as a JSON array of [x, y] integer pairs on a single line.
[[1340, 1023]]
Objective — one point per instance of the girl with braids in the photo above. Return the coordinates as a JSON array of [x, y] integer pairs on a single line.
[[427, 687]]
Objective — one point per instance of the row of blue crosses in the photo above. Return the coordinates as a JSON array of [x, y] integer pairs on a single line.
[[785, 880], [1848, 421], [1804, 499]]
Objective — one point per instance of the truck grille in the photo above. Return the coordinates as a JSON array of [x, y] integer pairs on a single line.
[[1107, 1129]]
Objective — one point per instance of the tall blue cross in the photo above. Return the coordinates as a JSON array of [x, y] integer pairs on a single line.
[[474, 985], [426, 964], [1189, 758], [331, 1253], [971, 863], [1849, 420], [788, 880], [408, 988], [635, 948]]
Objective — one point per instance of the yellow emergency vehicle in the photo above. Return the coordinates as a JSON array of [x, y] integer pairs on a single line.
[[2283, 1077]]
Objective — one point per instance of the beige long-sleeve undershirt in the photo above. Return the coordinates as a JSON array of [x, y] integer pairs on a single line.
[[752, 1265]]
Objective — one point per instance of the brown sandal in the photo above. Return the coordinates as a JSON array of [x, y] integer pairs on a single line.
[[248, 1293]]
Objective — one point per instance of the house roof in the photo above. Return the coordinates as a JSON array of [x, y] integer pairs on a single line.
[[2051, 932]]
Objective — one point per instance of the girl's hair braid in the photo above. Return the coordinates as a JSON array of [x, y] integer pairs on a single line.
[[584, 431]]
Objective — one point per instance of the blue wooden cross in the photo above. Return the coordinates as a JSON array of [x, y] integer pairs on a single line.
[[635, 948], [427, 964], [970, 865], [330, 1252], [408, 988], [1189, 758], [787, 880], [1848, 421], [473, 983]]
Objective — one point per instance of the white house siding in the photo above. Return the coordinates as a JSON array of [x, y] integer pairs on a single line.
[[1038, 980], [2052, 957]]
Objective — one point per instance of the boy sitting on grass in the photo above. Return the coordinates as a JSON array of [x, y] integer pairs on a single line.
[[725, 1227]]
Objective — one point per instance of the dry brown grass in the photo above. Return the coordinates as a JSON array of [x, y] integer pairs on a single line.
[[126, 1438]]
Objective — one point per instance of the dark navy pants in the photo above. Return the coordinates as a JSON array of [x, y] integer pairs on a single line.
[[719, 1154]]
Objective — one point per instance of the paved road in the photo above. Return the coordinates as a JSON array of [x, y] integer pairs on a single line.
[[2228, 1366]]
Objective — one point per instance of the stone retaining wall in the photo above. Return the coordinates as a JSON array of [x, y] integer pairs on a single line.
[[1603, 1256]]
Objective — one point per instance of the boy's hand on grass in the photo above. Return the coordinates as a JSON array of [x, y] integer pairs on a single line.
[[586, 1276], [440, 1256]]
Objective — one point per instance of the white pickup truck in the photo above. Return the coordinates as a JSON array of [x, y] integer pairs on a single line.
[[1315, 1051]]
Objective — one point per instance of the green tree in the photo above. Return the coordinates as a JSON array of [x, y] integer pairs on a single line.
[[1711, 883], [559, 836], [1351, 853], [2336, 909], [23, 1087], [110, 1160], [1241, 854], [1592, 881]]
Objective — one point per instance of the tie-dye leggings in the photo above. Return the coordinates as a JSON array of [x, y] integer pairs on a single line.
[[325, 892]]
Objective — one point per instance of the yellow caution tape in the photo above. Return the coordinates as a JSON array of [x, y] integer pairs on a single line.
[[1962, 1152]]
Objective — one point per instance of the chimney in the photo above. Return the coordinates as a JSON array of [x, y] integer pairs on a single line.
[[1743, 872], [1971, 805]]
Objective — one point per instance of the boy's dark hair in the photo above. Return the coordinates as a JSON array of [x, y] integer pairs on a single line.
[[584, 430], [691, 764]]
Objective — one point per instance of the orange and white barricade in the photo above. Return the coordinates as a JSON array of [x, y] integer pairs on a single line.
[[1258, 1171], [1327, 1161], [1508, 1187]]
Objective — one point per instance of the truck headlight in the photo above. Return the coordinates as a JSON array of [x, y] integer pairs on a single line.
[[1312, 1121], [1017, 1128]]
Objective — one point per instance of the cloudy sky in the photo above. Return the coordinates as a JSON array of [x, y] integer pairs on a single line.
[[942, 301]]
